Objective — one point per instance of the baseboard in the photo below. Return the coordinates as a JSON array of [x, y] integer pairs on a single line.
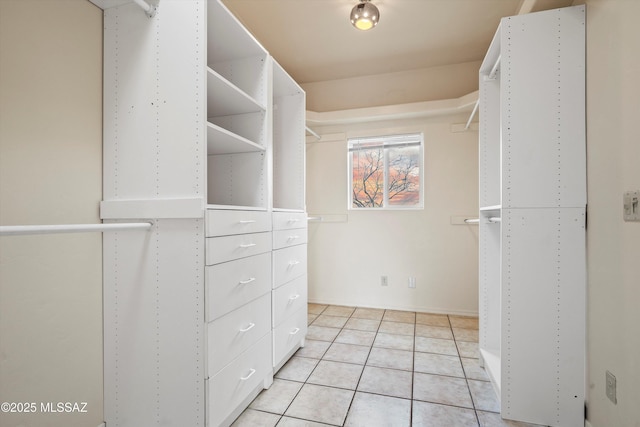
[[432, 310]]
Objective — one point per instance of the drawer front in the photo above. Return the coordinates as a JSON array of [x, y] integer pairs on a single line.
[[286, 238], [228, 222], [235, 332], [228, 248], [232, 284], [289, 220], [289, 299], [289, 335], [289, 263], [234, 383]]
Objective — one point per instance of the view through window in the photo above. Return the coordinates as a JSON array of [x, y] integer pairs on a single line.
[[385, 172]]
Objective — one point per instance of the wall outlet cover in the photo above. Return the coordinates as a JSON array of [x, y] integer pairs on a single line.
[[631, 205], [611, 387]]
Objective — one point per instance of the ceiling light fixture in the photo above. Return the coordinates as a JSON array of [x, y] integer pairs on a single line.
[[365, 15]]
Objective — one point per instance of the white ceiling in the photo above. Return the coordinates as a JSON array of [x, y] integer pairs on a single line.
[[315, 41]]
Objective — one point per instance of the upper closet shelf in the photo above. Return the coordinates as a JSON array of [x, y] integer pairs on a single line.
[[222, 141], [225, 99], [228, 40]]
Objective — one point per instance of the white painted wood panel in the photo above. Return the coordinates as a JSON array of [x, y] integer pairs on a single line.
[[235, 332], [288, 299], [286, 238], [144, 295], [289, 220], [231, 386], [228, 222], [288, 264], [544, 307], [543, 126], [228, 248], [288, 337], [232, 284]]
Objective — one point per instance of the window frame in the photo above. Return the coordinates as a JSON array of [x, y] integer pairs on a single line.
[[387, 143]]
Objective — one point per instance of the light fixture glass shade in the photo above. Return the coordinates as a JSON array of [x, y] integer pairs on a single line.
[[365, 15]]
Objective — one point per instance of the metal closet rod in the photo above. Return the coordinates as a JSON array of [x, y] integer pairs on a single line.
[[477, 220], [17, 230]]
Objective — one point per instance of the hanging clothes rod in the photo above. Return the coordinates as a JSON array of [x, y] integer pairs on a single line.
[[477, 220], [314, 218], [308, 129], [149, 9], [16, 230]]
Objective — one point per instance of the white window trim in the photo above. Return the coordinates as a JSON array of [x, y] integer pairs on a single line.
[[386, 206]]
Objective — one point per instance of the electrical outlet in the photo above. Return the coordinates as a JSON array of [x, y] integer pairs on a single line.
[[611, 387], [412, 282], [631, 205], [384, 281]]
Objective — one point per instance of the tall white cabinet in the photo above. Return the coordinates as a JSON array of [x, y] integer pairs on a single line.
[[204, 136], [532, 216]]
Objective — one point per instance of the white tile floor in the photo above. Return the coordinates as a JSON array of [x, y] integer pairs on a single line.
[[368, 367]]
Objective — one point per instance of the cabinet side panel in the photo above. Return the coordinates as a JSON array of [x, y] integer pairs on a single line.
[[154, 106], [180, 119], [543, 315], [543, 97], [153, 320]]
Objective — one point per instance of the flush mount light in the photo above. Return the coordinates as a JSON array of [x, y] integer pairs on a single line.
[[365, 15]]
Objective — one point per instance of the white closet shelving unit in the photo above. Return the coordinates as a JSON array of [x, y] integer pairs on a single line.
[[289, 295], [532, 216], [203, 132]]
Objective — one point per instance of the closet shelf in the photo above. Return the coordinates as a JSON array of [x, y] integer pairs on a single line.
[[490, 208], [226, 99], [222, 141], [228, 39], [236, 208]]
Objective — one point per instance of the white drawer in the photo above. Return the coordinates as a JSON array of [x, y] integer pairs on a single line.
[[232, 334], [232, 284], [234, 383], [288, 299], [289, 336], [285, 238], [288, 220], [289, 263], [227, 222], [228, 248]]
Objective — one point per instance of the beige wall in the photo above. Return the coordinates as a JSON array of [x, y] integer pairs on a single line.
[[350, 250], [50, 173], [613, 145], [427, 84]]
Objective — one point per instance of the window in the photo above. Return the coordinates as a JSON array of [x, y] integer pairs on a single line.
[[386, 172]]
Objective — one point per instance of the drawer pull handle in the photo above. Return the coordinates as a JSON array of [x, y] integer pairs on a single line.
[[295, 331], [251, 325], [294, 220], [293, 263], [253, 371], [294, 297], [293, 237], [247, 221], [247, 245], [244, 282]]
